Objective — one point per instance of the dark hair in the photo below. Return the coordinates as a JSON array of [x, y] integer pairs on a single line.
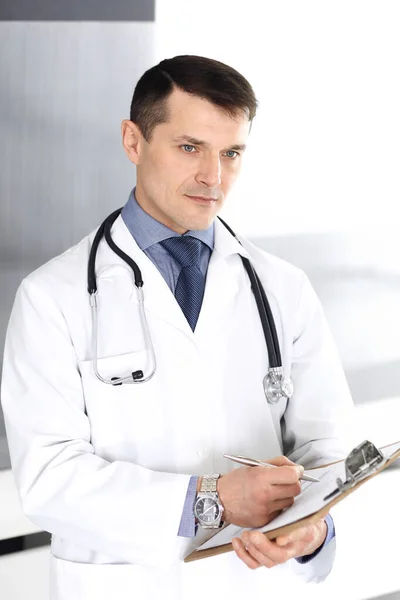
[[203, 77]]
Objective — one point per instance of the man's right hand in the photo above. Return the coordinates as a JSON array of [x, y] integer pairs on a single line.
[[253, 496]]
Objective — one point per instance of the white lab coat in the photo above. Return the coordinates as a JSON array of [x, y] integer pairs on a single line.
[[105, 469]]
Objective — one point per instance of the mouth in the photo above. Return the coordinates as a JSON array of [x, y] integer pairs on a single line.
[[204, 200]]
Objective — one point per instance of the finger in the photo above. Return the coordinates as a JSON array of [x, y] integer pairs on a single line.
[[279, 491], [298, 547], [282, 540], [265, 551], [283, 475], [259, 557], [281, 504], [273, 514], [292, 548], [291, 538], [280, 461], [243, 554], [302, 534]]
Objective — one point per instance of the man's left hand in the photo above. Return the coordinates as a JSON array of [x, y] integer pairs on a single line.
[[256, 550]]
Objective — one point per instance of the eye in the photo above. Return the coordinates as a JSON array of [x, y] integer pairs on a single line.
[[188, 148], [232, 154]]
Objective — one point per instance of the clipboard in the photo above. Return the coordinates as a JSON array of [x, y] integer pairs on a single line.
[[362, 464]]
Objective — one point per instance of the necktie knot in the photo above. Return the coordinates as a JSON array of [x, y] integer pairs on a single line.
[[184, 249]]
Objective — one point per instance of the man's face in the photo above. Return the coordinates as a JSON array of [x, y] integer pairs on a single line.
[[186, 170]]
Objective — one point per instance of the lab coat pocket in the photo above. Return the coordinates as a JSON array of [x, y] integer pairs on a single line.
[[127, 413], [81, 581]]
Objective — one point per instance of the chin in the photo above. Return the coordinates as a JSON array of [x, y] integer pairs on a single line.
[[199, 225], [200, 222]]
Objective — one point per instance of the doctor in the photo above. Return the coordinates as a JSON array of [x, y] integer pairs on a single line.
[[114, 472]]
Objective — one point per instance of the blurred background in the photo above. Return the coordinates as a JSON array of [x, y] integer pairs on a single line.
[[320, 187]]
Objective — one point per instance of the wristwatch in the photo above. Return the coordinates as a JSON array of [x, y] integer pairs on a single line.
[[208, 508]]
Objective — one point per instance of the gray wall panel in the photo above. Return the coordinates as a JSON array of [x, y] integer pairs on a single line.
[[64, 90], [77, 10]]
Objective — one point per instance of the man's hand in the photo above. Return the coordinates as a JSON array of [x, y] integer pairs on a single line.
[[253, 496], [255, 550]]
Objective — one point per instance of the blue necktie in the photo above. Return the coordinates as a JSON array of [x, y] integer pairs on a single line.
[[190, 286]]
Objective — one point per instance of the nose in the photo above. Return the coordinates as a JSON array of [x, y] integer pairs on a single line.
[[210, 171]]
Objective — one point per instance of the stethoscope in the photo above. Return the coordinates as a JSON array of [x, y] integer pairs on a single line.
[[276, 385]]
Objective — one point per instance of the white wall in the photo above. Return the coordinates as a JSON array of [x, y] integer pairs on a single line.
[[323, 159], [324, 151]]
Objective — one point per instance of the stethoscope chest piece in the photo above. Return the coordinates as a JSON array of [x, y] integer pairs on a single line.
[[276, 386]]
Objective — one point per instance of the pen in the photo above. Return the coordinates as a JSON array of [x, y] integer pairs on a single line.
[[252, 462]]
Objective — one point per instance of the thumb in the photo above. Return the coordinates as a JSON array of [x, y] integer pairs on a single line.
[[289, 538]]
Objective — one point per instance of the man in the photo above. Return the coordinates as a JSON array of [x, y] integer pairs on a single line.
[[115, 472]]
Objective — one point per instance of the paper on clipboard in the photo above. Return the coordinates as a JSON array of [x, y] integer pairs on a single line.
[[311, 500]]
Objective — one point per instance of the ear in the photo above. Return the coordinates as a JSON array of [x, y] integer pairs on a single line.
[[132, 140]]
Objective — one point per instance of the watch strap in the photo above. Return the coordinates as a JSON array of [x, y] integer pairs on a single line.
[[209, 483]]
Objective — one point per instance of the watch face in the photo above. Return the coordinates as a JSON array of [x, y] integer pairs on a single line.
[[207, 510]]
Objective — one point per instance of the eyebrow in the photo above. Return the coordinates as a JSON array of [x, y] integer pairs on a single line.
[[191, 140]]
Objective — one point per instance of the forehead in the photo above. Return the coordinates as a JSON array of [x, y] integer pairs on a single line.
[[199, 118]]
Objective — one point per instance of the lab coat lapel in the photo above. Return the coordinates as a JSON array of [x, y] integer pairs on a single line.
[[222, 282], [224, 274], [159, 301]]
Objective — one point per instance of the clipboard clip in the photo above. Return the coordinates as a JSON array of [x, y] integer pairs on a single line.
[[360, 463]]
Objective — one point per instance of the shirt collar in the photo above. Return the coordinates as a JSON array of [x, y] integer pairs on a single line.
[[148, 231]]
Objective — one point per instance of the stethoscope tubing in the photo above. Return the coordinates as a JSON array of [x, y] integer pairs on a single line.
[[263, 306], [264, 309]]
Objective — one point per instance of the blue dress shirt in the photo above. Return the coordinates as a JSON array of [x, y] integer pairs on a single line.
[[148, 233]]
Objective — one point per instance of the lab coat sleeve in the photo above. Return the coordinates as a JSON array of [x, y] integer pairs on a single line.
[[119, 508], [317, 418], [317, 569]]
